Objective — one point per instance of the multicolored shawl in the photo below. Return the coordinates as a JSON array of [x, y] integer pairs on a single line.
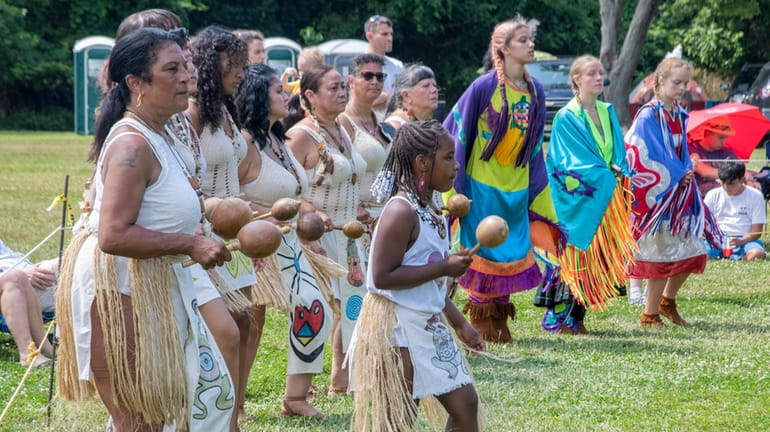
[[593, 200], [581, 182], [512, 184], [658, 168], [462, 122]]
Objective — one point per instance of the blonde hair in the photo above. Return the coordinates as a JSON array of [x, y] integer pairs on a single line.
[[577, 68], [501, 36], [312, 55], [665, 69]]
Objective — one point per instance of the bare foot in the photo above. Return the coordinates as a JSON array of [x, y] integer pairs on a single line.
[[243, 416]]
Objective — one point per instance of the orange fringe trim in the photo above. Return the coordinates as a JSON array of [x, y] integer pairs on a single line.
[[593, 275]]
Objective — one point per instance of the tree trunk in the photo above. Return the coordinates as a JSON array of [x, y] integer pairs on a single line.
[[611, 12], [621, 68]]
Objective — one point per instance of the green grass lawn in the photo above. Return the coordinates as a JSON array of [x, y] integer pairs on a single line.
[[711, 376]]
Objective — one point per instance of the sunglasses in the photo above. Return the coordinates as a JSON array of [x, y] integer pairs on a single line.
[[374, 18], [368, 76]]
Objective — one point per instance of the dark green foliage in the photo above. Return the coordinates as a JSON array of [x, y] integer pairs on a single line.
[[36, 38]]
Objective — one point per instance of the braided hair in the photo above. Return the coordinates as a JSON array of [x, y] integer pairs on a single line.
[[412, 139], [576, 69], [501, 36], [208, 44]]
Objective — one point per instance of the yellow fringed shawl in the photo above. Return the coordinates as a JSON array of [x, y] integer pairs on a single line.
[[593, 275]]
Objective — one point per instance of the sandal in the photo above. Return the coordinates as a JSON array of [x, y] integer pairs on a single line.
[[334, 391], [287, 411]]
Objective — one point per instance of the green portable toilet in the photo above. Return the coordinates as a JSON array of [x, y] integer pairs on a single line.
[[281, 53], [89, 55]]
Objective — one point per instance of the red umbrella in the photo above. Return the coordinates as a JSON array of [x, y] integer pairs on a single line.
[[746, 120]]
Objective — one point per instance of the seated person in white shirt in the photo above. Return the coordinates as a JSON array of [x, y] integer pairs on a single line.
[[26, 291], [740, 212]]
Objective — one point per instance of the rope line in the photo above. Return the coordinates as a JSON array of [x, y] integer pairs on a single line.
[[31, 357]]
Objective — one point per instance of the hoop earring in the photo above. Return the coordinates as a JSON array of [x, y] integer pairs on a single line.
[[421, 183], [139, 100]]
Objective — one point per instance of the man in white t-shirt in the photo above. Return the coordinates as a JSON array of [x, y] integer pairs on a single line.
[[740, 212], [379, 33]]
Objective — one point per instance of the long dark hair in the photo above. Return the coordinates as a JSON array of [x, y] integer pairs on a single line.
[[207, 45], [134, 54], [252, 100]]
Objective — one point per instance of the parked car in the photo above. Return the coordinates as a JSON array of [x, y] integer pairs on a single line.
[[554, 76], [759, 92], [743, 80]]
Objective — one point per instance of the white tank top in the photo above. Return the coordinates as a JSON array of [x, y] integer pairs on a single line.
[[429, 247], [374, 153], [337, 195], [223, 155], [274, 181], [169, 205]]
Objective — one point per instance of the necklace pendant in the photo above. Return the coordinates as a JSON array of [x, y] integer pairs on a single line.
[[298, 191], [442, 229]]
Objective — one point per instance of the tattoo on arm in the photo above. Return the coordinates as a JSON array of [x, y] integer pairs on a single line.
[[128, 158]]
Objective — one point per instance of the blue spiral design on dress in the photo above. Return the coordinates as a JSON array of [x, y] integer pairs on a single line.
[[353, 307]]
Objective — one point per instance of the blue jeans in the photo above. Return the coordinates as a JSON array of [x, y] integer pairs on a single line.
[[738, 252]]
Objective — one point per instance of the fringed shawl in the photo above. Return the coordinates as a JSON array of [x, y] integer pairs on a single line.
[[658, 169], [581, 182], [462, 122]]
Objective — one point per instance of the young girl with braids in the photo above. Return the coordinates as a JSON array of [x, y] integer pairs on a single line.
[[334, 169], [403, 350], [591, 191], [497, 125], [220, 57], [669, 217]]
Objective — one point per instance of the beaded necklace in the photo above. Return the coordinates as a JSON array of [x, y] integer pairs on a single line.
[[285, 160], [188, 137], [428, 214], [327, 137], [190, 179], [371, 131]]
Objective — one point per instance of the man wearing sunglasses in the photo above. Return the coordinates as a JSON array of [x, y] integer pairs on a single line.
[[379, 33]]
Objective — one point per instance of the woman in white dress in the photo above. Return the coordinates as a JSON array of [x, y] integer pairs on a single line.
[[274, 174], [123, 270], [220, 58], [334, 169], [371, 138]]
